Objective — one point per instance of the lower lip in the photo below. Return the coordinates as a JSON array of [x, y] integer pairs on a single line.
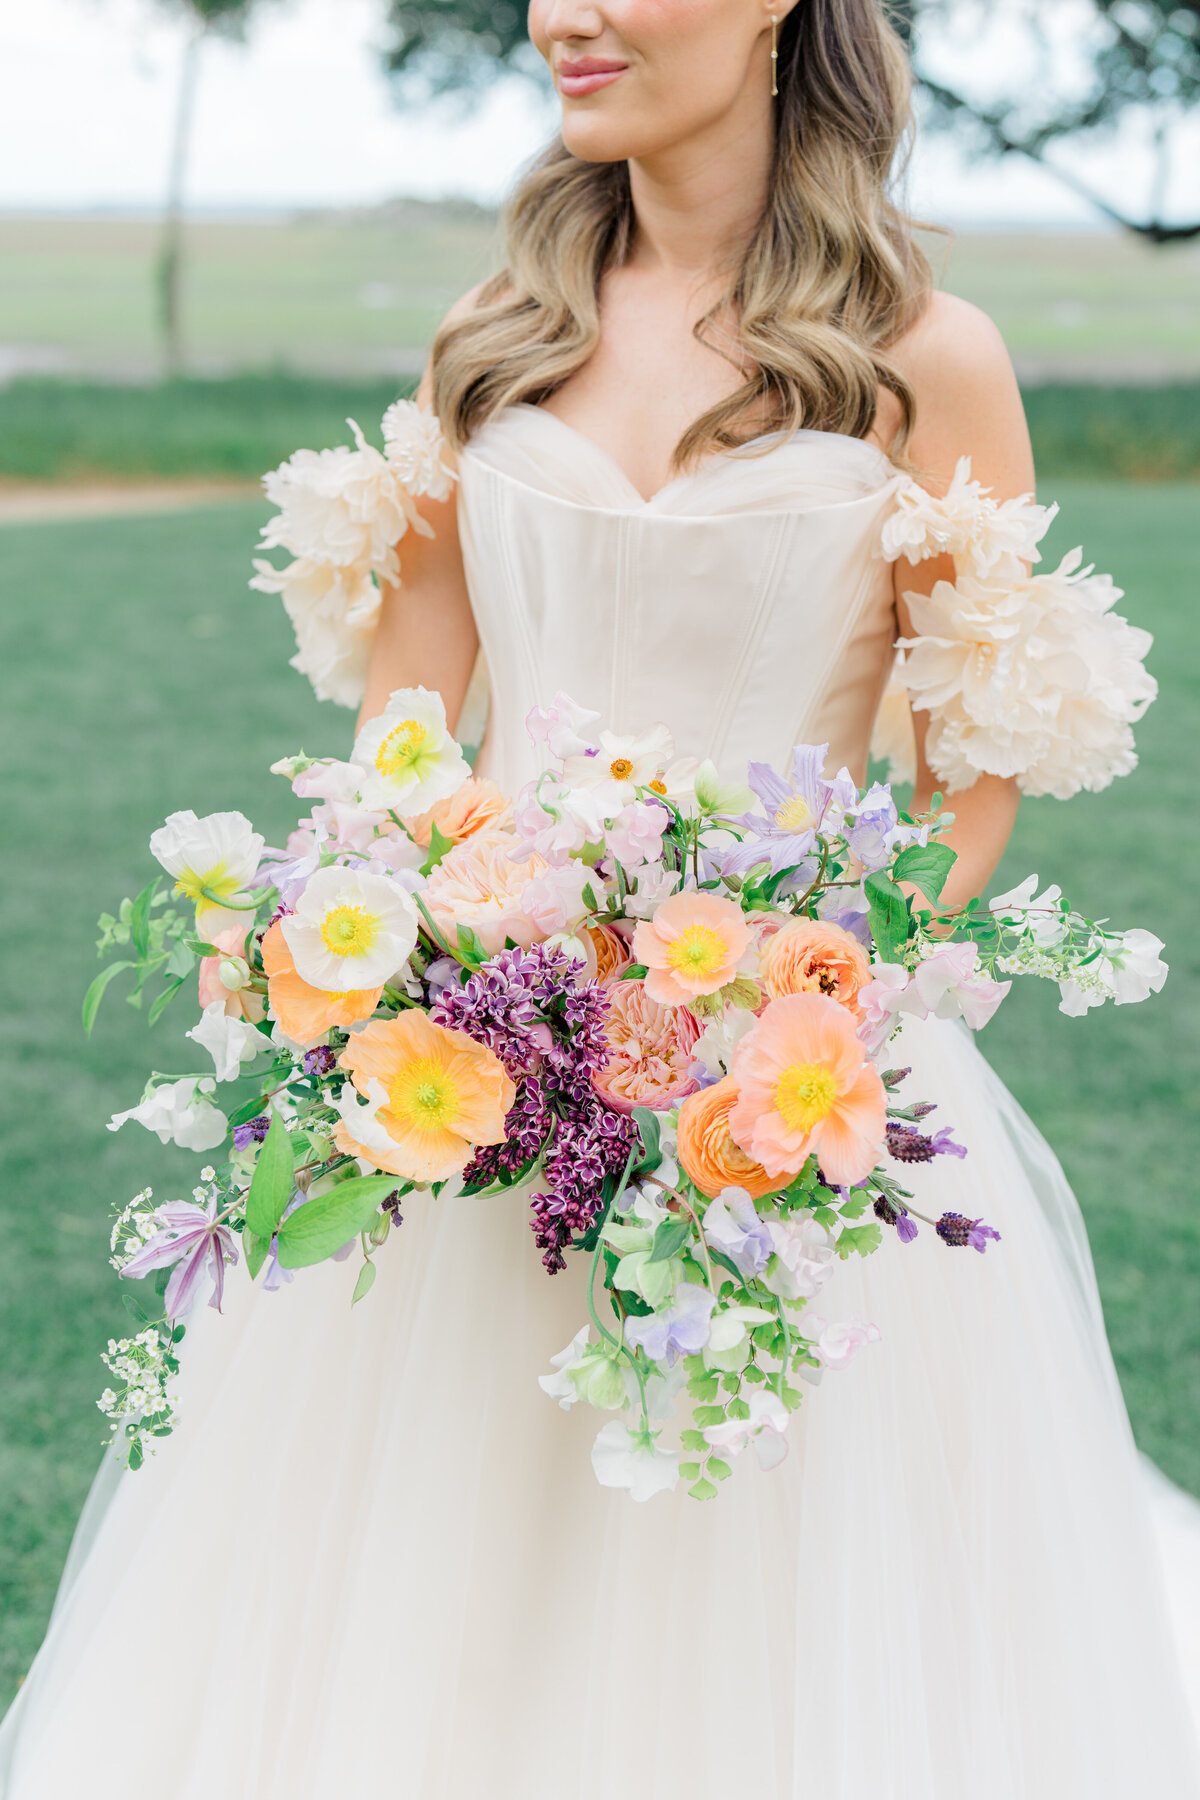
[[573, 86]]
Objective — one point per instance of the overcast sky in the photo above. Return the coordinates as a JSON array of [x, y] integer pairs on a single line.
[[301, 115]]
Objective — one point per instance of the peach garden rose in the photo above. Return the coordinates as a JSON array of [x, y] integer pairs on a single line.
[[651, 1050]]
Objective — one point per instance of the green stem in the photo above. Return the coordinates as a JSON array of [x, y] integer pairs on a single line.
[[781, 1378], [235, 905], [433, 930], [690, 1210]]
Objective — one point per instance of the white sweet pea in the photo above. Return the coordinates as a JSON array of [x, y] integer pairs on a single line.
[[350, 930], [804, 1258], [631, 1459], [362, 1122], [765, 1429], [409, 759], [180, 1112], [1040, 918], [1129, 972], [728, 1344], [720, 1037], [213, 860], [564, 727], [559, 1386], [229, 1040], [653, 886]]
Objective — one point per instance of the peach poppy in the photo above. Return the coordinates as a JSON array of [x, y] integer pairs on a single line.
[[304, 1013], [805, 1085], [477, 805], [706, 1150], [650, 1050], [434, 1093], [239, 1003], [692, 945], [809, 956]]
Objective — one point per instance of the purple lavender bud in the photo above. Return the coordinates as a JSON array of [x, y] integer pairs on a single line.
[[908, 1145], [893, 1077], [960, 1232], [319, 1061], [254, 1131], [906, 1230]]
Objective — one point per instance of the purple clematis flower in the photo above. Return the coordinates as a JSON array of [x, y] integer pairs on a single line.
[[794, 810], [192, 1240], [681, 1329]]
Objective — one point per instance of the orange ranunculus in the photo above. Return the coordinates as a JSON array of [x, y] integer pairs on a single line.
[[808, 956], [305, 1013], [435, 1095], [242, 1003], [477, 805], [706, 1150], [650, 1050], [691, 946], [804, 1085], [611, 952]]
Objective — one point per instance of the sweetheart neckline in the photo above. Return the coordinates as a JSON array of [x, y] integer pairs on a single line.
[[716, 462]]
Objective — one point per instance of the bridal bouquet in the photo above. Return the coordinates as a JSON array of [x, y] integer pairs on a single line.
[[658, 1004]]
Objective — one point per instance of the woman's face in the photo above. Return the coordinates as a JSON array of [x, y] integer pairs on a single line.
[[637, 76]]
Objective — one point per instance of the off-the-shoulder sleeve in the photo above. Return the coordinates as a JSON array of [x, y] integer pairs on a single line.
[[342, 513], [1023, 675]]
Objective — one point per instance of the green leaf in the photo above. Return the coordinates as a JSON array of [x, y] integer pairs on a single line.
[[271, 1184], [163, 1000], [721, 1471], [256, 1249], [670, 1238], [366, 1278], [135, 1309], [859, 1240], [249, 1109], [94, 995], [705, 1388], [888, 916], [926, 866], [693, 1440], [135, 1457], [702, 1490], [738, 1409], [635, 972], [139, 918], [689, 1470], [650, 1131], [438, 846], [323, 1224], [856, 1205], [711, 1415], [728, 1263], [470, 949]]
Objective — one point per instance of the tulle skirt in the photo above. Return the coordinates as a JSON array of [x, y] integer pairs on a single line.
[[374, 1561]]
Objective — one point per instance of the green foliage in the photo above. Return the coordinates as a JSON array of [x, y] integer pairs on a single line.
[[271, 1184], [888, 916], [457, 44], [327, 1221], [926, 866]]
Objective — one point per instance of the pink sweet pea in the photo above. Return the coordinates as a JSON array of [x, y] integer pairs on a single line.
[[765, 1429], [837, 1343], [947, 985]]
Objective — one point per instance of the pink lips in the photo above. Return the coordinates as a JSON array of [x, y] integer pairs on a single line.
[[585, 74]]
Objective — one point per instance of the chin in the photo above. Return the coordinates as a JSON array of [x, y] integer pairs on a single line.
[[594, 137]]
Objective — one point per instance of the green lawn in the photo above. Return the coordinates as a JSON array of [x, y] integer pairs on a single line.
[[145, 677]]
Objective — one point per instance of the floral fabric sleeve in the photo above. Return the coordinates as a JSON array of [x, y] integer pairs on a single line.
[[1023, 675], [342, 513]]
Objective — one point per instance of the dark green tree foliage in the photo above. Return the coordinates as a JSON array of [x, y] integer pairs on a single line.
[[1139, 55]]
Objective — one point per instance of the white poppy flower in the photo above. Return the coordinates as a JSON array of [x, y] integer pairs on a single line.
[[179, 1112], [228, 1038], [213, 860], [409, 758], [631, 1459], [350, 930]]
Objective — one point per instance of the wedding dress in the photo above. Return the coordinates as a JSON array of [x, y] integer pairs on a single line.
[[374, 1560]]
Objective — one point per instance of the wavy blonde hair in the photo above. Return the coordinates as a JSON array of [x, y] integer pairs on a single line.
[[832, 274]]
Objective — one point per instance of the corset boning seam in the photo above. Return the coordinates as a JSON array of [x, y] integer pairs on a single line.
[[518, 614], [850, 617], [763, 611]]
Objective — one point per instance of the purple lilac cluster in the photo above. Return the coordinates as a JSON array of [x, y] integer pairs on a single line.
[[546, 1025]]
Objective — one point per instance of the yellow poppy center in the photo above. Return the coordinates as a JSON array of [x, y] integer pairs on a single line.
[[804, 1095], [403, 748], [349, 930], [424, 1095], [620, 768], [794, 814], [697, 951], [195, 882]]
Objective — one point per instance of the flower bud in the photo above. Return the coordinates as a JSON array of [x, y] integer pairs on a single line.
[[234, 973]]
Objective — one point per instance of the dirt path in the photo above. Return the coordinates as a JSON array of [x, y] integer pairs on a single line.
[[27, 502]]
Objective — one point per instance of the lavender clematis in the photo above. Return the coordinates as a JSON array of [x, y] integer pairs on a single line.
[[196, 1243], [795, 807]]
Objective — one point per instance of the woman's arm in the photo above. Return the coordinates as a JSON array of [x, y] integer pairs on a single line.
[[968, 404], [426, 635]]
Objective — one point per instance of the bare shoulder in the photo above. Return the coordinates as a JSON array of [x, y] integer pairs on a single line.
[[967, 399]]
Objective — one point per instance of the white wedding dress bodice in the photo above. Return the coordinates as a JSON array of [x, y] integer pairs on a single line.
[[746, 605], [374, 1561]]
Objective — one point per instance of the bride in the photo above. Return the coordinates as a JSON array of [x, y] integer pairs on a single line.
[[375, 1562]]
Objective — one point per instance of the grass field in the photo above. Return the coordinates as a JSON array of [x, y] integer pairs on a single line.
[[356, 294], [145, 677]]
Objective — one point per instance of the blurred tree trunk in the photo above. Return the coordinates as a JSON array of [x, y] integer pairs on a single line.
[[170, 255]]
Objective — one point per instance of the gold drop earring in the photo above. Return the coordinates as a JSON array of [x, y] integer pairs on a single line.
[[774, 55]]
